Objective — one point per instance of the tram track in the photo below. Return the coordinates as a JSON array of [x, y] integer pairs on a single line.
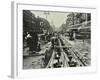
[[76, 54], [68, 56]]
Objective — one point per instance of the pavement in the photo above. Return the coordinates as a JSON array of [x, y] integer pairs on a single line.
[[34, 61]]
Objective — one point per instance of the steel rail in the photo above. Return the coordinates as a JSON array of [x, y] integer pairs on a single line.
[[75, 52]]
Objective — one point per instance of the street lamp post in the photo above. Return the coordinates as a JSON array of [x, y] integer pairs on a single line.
[[46, 13]]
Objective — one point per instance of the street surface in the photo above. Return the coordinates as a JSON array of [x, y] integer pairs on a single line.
[[38, 61]]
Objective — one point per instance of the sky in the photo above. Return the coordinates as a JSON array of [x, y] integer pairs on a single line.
[[54, 18]]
